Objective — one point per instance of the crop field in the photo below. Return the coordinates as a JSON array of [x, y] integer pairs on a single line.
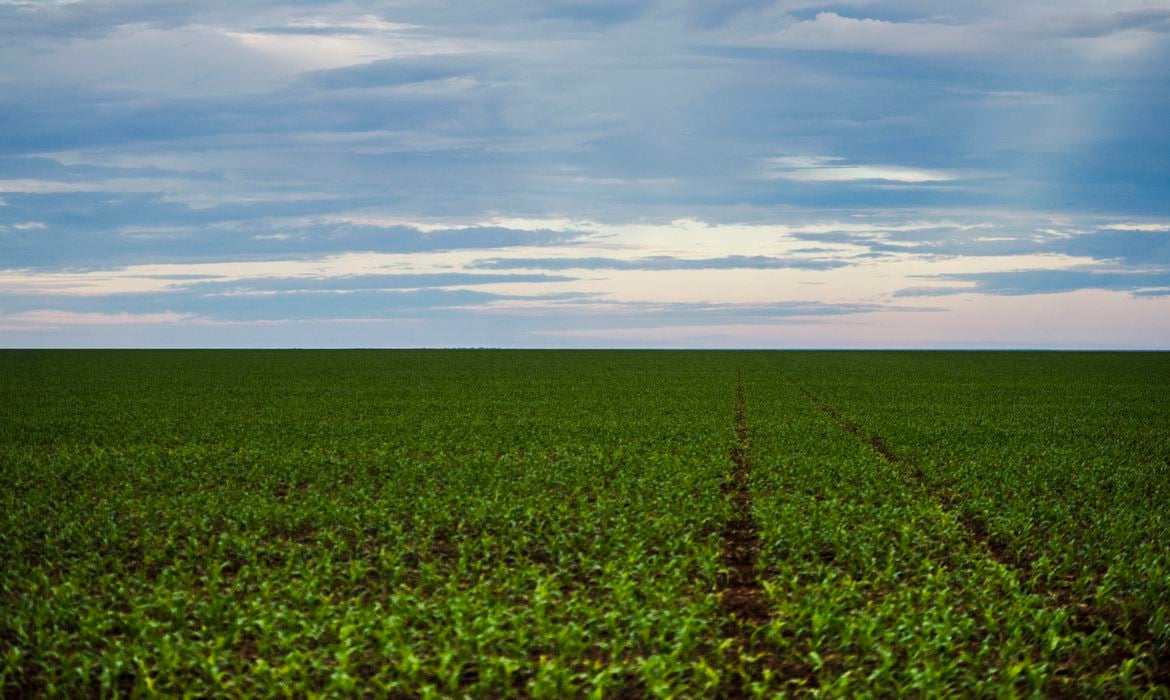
[[584, 523]]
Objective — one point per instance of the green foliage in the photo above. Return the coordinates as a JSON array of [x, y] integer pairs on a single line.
[[1018, 542], [506, 523], [430, 523]]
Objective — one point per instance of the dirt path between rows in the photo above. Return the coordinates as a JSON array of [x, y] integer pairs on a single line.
[[1085, 616], [742, 595]]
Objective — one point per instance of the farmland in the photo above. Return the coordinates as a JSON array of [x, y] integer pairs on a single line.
[[608, 523]]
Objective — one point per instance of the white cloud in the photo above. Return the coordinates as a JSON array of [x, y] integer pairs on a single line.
[[1139, 226], [829, 31], [830, 169], [28, 225], [34, 186], [344, 42], [702, 335], [356, 24], [29, 186], [1099, 35], [53, 318], [183, 61], [193, 193]]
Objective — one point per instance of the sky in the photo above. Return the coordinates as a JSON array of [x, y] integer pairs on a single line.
[[572, 173]]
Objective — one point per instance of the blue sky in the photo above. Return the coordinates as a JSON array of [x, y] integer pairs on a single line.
[[585, 174]]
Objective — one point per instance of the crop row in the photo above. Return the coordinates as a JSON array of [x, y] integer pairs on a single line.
[[876, 587], [551, 532], [550, 524], [1062, 459]]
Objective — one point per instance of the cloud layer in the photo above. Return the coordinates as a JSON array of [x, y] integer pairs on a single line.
[[623, 172]]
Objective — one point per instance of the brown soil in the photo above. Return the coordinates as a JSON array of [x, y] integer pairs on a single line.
[[742, 596]]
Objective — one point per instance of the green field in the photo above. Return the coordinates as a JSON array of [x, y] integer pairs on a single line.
[[609, 523]]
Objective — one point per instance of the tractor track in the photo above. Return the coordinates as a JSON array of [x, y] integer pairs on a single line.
[[742, 596], [1084, 616]]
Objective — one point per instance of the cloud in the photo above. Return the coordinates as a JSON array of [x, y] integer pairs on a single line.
[[830, 169], [348, 283], [89, 19], [55, 318], [290, 305], [336, 46], [977, 36], [77, 242], [460, 155], [1024, 282], [1105, 24], [661, 262], [829, 31], [286, 299], [1138, 226], [603, 12], [672, 312], [341, 24], [394, 72], [712, 14], [30, 186], [1139, 247]]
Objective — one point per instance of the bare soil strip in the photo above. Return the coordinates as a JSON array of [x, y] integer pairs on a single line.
[[946, 497], [742, 596], [1084, 616]]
